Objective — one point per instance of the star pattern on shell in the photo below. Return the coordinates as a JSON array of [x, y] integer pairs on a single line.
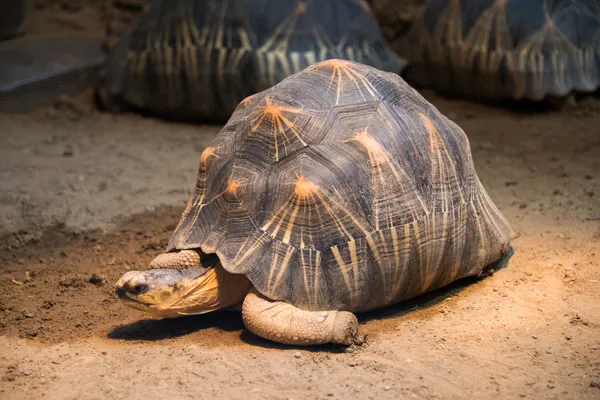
[[197, 60], [542, 48], [318, 202], [281, 124], [351, 73]]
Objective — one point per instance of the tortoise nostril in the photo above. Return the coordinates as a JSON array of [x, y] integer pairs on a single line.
[[120, 292]]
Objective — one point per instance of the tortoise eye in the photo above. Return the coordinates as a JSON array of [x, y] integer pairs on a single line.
[[139, 289]]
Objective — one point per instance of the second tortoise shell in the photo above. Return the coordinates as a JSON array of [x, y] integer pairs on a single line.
[[197, 59], [342, 188], [506, 49]]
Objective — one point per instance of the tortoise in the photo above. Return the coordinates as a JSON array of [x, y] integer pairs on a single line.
[[505, 49], [197, 59], [339, 190]]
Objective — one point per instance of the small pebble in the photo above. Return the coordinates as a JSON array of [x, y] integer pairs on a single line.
[[387, 388], [26, 373], [297, 354], [595, 383], [68, 152]]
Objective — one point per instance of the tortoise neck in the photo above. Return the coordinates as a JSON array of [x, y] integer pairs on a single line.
[[217, 289]]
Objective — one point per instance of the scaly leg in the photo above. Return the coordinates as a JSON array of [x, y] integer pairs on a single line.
[[283, 323]]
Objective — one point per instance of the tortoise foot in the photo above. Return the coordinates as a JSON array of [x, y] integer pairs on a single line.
[[283, 323]]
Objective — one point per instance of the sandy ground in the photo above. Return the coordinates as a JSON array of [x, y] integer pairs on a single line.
[[81, 169], [85, 196]]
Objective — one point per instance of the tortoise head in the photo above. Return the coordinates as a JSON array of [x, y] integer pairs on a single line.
[[180, 284]]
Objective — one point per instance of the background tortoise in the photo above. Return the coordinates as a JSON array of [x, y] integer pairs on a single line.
[[339, 190], [511, 49], [197, 59]]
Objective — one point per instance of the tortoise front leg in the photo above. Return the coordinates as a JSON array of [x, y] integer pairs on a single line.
[[283, 323]]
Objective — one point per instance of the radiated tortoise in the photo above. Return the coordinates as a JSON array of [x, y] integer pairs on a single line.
[[339, 190], [197, 59], [506, 49]]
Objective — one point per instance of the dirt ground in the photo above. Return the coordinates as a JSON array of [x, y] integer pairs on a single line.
[[86, 196]]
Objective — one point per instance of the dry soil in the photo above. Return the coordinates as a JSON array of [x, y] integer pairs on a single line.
[[85, 196]]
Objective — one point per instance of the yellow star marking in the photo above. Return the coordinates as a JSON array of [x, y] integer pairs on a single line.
[[306, 199], [548, 25], [354, 72], [248, 100], [279, 40], [434, 139], [279, 123], [304, 187], [233, 186], [206, 154], [301, 8], [438, 151], [376, 152], [379, 158]]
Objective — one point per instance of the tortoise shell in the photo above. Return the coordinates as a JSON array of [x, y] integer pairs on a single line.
[[511, 49], [197, 59], [341, 188]]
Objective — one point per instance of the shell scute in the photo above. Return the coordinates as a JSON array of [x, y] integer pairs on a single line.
[[277, 126], [311, 205]]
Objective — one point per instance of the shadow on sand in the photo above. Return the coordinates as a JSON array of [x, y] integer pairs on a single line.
[[170, 328]]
